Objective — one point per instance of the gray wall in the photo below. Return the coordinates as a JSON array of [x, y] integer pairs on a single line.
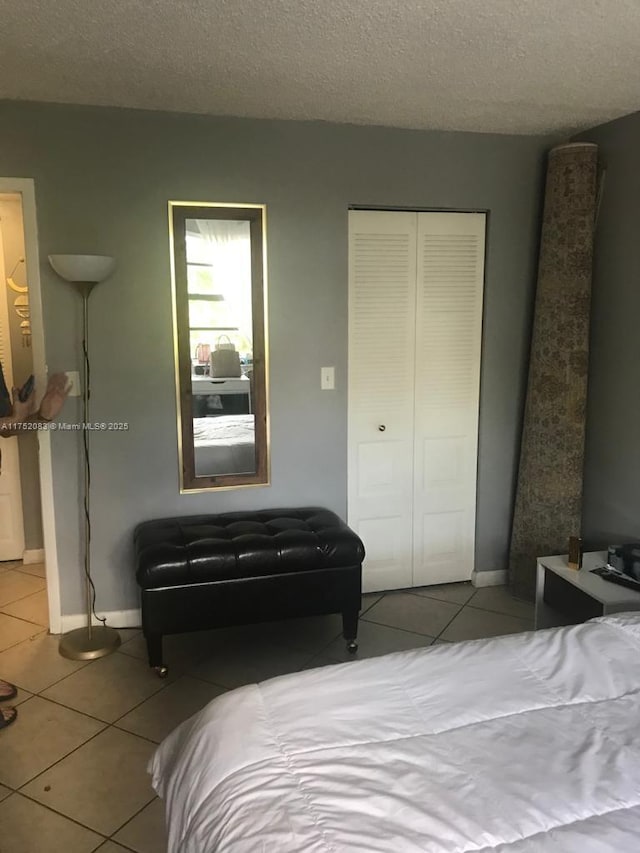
[[22, 359], [611, 508], [103, 178]]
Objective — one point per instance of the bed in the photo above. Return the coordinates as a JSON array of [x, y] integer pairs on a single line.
[[522, 743], [224, 444]]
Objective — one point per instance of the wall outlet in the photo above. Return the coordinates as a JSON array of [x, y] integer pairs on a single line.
[[74, 377], [327, 378]]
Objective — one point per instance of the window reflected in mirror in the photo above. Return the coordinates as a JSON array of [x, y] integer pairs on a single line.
[[218, 258]]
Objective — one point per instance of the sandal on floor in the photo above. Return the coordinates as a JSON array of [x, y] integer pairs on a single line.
[[7, 691], [7, 716]]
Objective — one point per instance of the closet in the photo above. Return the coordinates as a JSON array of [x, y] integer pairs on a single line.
[[415, 334]]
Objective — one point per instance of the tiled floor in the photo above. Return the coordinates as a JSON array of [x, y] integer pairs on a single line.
[[73, 766]]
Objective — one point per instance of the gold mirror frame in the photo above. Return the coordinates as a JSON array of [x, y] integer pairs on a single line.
[[256, 215]]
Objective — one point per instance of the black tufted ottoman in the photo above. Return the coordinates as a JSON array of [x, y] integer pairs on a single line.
[[212, 571]]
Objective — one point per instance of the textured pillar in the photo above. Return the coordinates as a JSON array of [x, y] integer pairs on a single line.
[[548, 504]]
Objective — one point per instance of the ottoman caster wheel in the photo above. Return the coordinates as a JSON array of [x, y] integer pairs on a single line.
[[352, 647], [161, 671]]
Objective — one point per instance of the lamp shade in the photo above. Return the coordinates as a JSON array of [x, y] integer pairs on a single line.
[[83, 268]]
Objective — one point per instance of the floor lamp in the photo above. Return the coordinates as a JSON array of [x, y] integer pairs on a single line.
[[93, 641]]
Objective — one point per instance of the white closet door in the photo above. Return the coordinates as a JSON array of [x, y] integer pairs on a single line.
[[450, 272], [382, 293]]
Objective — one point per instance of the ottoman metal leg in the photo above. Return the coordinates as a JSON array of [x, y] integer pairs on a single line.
[[154, 649], [350, 629]]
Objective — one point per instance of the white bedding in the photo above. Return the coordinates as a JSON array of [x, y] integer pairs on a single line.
[[224, 444], [523, 743]]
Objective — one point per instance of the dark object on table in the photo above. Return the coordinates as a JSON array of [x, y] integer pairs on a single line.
[[575, 552], [625, 559], [615, 577], [213, 571]]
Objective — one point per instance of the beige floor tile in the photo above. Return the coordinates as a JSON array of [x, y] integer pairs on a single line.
[[8, 565], [43, 734], [15, 585], [22, 696], [375, 640], [38, 570], [247, 662], [412, 613], [34, 608], [14, 631], [111, 847], [35, 664], [474, 624], [160, 714], [102, 785], [4, 793], [500, 600], [127, 634], [134, 647], [456, 593], [146, 832], [180, 651], [369, 599], [29, 828], [130, 642], [107, 688]]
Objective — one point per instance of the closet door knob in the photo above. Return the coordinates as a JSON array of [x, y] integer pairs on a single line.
[[382, 427]]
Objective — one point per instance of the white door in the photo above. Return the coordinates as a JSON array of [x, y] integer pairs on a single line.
[[415, 327], [11, 523], [447, 394], [382, 293]]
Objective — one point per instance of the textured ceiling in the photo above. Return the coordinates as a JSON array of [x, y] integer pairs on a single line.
[[511, 66]]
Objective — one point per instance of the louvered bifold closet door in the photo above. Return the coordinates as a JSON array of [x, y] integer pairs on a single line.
[[382, 294], [450, 272]]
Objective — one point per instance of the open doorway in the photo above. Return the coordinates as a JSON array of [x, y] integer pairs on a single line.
[[29, 584]]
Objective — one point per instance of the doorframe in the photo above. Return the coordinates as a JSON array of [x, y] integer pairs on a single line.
[[26, 188], [18, 542]]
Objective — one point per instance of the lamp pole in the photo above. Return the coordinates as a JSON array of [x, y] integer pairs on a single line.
[[86, 290]]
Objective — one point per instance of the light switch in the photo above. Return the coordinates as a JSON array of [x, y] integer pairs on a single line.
[[74, 377], [327, 378]]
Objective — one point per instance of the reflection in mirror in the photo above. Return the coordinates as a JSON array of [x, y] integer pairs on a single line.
[[219, 309]]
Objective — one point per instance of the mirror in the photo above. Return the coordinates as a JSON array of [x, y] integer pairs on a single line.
[[218, 259]]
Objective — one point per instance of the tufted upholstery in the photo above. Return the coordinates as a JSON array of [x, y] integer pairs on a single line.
[[204, 548], [209, 571]]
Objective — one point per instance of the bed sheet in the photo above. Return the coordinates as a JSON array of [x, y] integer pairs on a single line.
[[521, 743]]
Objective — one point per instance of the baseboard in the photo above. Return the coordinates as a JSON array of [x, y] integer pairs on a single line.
[[497, 578], [33, 555], [115, 619]]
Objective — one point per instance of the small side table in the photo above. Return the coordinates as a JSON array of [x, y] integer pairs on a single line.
[[565, 596]]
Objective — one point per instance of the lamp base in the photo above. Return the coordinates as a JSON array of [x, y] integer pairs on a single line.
[[78, 645]]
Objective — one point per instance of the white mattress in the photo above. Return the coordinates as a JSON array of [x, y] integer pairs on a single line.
[[523, 743], [224, 444]]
